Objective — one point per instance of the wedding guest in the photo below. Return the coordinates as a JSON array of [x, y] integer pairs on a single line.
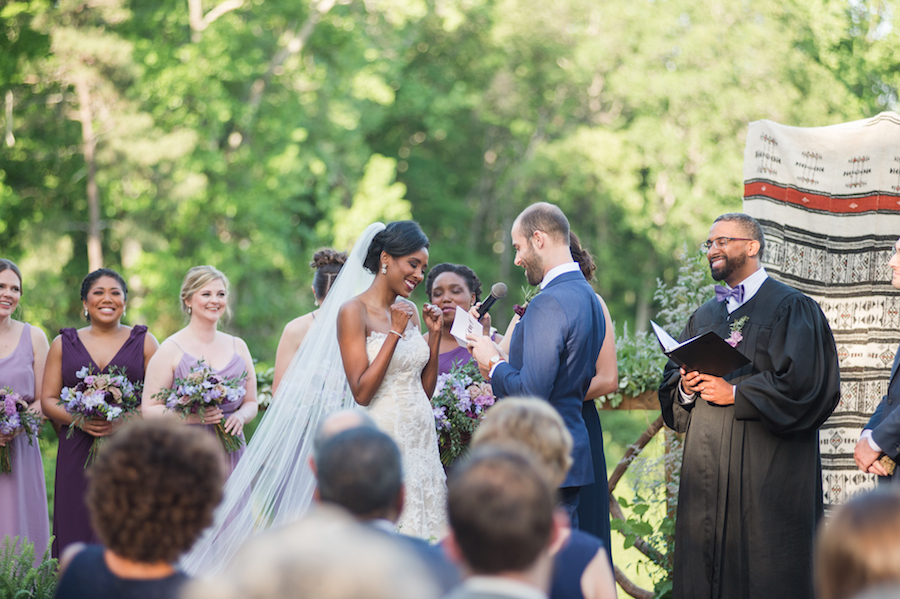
[[360, 470], [326, 555], [23, 353], [502, 526], [581, 566], [104, 344], [448, 286], [204, 298], [151, 494], [858, 548], [328, 263]]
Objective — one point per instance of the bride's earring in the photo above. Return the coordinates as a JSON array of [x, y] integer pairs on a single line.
[[189, 310], [384, 269], [85, 312]]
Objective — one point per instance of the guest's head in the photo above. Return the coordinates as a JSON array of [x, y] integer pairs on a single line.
[[153, 490], [398, 254], [734, 247], [859, 547], [501, 513], [204, 293], [534, 424], [894, 265], [338, 422], [328, 264], [450, 285], [10, 287], [582, 256], [540, 236], [360, 470], [326, 555], [103, 295]]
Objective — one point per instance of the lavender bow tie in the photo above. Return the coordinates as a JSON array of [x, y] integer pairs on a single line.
[[723, 293]]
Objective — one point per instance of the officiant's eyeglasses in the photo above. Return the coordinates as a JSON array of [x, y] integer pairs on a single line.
[[720, 243]]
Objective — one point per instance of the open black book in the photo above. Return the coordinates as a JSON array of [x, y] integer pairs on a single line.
[[707, 353]]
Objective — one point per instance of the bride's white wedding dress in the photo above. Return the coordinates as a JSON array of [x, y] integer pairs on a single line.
[[402, 410]]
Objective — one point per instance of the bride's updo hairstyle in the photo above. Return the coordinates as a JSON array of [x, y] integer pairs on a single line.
[[328, 264], [400, 238], [199, 277]]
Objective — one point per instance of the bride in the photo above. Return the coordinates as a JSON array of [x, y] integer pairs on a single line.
[[392, 370], [273, 484]]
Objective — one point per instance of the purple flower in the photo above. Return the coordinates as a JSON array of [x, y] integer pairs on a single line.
[[735, 338]]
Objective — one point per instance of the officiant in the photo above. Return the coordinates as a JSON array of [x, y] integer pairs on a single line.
[[751, 480]]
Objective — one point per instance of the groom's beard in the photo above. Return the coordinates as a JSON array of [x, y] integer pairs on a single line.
[[534, 268]]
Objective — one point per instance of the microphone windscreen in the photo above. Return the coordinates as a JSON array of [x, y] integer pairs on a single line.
[[498, 290]]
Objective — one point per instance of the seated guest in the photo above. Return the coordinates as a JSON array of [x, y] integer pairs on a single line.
[[581, 567], [360, 470], [152, 491], [326, 555], [448, 286], [859, 547], [502, 526]]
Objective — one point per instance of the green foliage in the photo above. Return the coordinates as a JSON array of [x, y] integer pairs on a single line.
[[640, 362], [650, 515], [20, 578], [691, 289]]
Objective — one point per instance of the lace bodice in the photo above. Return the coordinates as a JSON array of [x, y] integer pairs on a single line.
[[402, 410]]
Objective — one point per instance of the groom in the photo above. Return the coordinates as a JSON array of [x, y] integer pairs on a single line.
[[553, 351]]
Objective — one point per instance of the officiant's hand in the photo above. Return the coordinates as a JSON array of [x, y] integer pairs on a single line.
[[433, 317], [866, 458], [716, 390], [689, 381]]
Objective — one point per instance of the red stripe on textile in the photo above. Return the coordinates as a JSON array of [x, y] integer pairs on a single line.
[[822, 203]]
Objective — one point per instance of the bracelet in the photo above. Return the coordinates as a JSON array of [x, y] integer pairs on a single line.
[[396, 333]]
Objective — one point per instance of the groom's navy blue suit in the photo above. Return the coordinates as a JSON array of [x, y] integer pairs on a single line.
[[553, 355]]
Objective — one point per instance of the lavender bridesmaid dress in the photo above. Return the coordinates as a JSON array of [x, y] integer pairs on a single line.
[[23, 493], [71, 521], [235, 368]]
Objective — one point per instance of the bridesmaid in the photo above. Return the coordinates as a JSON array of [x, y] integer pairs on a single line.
[[328, 264], [104, 343], [204, 298], [448, 286], [23, 352]]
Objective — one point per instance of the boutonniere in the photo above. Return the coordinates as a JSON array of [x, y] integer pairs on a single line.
[[736, 327], [529, 293]]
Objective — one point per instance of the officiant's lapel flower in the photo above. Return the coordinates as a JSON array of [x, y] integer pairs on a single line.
[[736, 327]]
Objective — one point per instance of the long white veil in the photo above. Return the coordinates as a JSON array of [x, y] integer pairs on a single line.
[[273, 484]]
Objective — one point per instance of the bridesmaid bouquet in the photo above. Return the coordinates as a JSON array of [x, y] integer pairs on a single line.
[[460, 399], [15, 415], [109, 395], [203, 388]]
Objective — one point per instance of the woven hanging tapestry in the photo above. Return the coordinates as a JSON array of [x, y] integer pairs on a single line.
[[828, 200]]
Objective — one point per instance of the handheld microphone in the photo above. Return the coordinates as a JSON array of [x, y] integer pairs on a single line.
[[498, 291]]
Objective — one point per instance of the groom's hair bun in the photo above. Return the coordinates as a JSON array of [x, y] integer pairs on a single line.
[[399, 238]]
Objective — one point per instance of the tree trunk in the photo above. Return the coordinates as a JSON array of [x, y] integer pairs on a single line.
[[89, 140]]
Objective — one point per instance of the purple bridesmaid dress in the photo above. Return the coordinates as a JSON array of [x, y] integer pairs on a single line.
[[23, 493], [235, 368], [71, 521]]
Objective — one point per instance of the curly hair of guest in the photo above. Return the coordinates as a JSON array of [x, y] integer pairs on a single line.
[[153, 489]]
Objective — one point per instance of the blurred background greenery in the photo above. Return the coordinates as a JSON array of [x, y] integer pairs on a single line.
[[155, 135]]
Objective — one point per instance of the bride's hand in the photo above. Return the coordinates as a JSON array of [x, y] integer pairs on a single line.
[[401, 312], [433, 317]]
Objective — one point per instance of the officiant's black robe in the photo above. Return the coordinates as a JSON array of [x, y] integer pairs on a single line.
[[751, 481]]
